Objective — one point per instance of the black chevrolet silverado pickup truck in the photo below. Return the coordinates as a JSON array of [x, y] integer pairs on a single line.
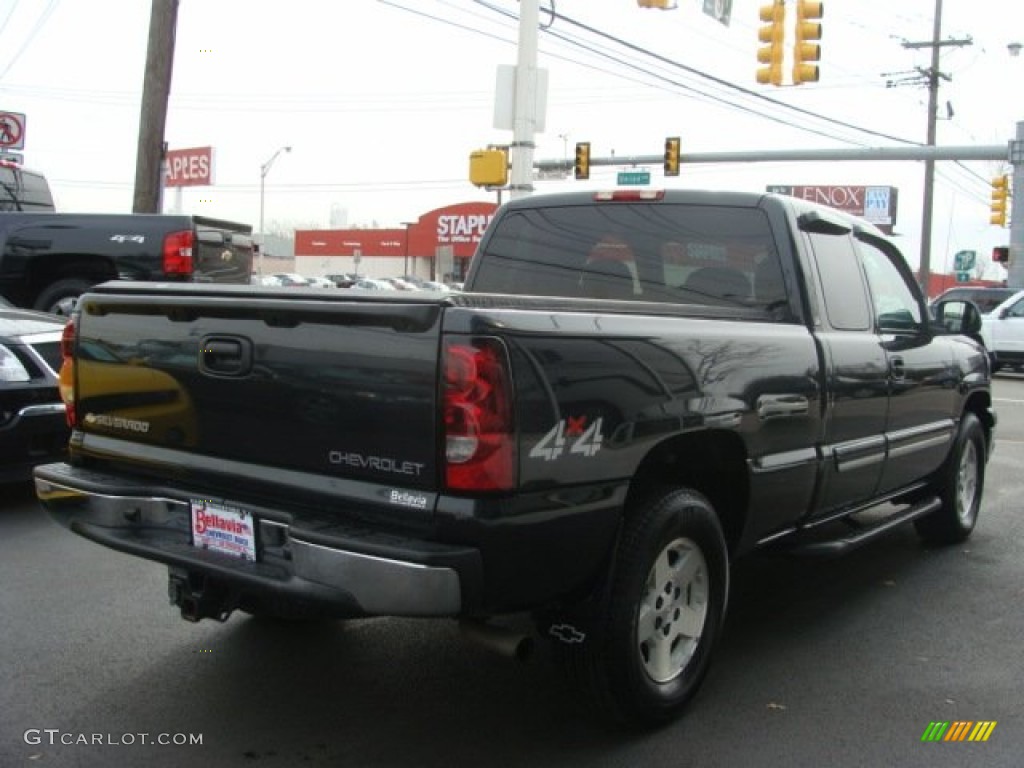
[[635, 389], [47, 260]]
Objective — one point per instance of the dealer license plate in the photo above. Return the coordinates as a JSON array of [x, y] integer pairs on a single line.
[[220, 528]]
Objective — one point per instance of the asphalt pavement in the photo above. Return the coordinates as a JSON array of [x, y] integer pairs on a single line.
[[840, 662]]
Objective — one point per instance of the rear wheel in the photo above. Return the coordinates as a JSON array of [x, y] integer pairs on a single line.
[[960, 487], [647, 652], [61, 297]]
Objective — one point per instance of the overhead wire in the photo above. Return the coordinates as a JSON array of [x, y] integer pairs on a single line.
[[7, 18], [43, 17], [729, 85]]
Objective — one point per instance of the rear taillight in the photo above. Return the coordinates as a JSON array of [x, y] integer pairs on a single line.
[[66, 377], [478, 424], [178, 252]]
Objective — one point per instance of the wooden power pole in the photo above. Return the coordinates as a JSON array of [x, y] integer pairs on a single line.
[[933, 76], [156, 90]]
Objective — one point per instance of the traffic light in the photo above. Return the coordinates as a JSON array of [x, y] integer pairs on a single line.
[[583, 160], [665, 5], [803, 51], [672, 156], [773, 33], [1001, 254], [488, 167], [1000, 191]]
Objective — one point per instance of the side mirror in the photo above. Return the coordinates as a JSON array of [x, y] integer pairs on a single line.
[[958, 317]]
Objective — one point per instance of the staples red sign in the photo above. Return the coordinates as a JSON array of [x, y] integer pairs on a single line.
[[189, 167]]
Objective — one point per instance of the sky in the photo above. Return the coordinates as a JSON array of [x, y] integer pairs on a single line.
[[382, 101]]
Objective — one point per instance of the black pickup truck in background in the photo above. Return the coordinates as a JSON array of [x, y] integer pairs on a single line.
[[636, 389], [47, 260]]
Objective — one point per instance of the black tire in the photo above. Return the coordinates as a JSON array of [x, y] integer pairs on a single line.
[[59, 298], [960, 485], [646, 653]]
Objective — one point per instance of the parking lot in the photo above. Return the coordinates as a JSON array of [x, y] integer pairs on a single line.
[[837, 662]]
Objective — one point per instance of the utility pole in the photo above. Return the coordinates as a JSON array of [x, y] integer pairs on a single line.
[[934, 75], [1015, 269], [525, 114], [156, 90]]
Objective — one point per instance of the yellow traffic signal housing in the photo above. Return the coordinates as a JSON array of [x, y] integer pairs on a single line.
[[672, 156], [488, 167], [665, 5], [773, 34], [1000, 193], [803, 51], [583, 160]]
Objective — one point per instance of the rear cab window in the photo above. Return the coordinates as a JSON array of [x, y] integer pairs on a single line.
[[674, 253], [23, 190]]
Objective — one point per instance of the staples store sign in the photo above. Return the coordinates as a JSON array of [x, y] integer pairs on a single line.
[[189, 167], [462, 228]]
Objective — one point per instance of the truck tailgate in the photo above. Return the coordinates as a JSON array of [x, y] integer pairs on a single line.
[[341, 386]]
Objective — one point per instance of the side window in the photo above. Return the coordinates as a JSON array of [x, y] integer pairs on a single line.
[[895, 304], [842, 284], [1016, 310]]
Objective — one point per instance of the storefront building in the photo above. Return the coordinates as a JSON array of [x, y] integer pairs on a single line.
[[438, 246]]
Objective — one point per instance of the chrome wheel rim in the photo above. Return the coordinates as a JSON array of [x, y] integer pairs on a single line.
[[65, 307], [967, 483], [673, 610]]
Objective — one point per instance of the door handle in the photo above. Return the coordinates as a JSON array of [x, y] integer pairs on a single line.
[[897, 367], [225, 356]]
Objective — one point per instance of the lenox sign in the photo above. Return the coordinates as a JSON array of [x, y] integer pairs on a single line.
[[189, 167], [876, 204]]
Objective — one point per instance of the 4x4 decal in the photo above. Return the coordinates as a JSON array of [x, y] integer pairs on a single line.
[[572, 432]]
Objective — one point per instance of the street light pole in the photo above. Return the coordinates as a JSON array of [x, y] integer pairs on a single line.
[[406, 224], [264, 170]]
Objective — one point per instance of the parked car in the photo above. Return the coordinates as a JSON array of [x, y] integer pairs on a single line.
[[23, 190], [320, 282], [47, 260], [987, 298], [400, 284], [369, 284], [430, 285], [1002, 330], [33, 429], [290, 279], [344, 279]]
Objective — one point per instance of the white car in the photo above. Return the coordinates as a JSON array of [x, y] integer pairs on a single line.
[[290, 279], [321, 282], [1003, 332], [369, 284]]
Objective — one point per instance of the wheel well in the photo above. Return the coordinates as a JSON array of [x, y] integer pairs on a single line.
[[46, 270], [713, 463], [980, 404]]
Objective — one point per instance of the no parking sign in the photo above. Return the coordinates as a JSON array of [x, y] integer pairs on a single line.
[[12, 130]]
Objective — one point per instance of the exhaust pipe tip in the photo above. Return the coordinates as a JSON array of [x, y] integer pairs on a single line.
[[504, 641]]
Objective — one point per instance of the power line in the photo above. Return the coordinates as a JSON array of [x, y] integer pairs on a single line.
[[697, 93], [7, 18], [726, 84], [43, 17]]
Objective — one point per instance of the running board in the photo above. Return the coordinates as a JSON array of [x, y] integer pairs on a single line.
[[840, 546]]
